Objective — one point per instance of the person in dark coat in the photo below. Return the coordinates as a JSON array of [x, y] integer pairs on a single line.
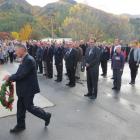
[[118, 61], [34, 50], [26, 88], [116, 44], [134, 60], [58, 55], [105, 55], [39, 58], [71, 64], [50, 53], [29, 47], [83, 46], [66, 48], [92, 58], [45, 52]]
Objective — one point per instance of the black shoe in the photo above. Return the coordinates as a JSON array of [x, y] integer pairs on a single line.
[[93, 97], [114, 88], [50, 77], [47, 122], [58, 80], [112, 78], [77, 78], [68, 84], [40, 72], [87, 95], [17, 129], [72, 85], [118, 89], [132, 83], [104, 74]]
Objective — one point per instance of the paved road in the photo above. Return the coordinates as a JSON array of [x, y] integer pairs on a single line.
[[111, 117]]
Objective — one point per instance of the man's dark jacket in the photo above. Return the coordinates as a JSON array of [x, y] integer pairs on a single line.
[[71, 59], [94, 58], [59, 54], [26, 78]]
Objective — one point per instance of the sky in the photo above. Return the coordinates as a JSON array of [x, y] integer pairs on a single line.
[[112, 6]]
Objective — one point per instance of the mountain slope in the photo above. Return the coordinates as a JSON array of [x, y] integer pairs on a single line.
[[68, 19]]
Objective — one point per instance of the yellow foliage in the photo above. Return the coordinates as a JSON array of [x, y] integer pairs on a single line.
[[76, 8], [25, 32], [15, 35]]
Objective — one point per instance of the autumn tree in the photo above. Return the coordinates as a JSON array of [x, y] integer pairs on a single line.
[[81, 23], [25, 32], [15, 35]]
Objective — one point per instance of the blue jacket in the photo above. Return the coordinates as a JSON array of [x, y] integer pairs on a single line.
[[118, 61], [26, 78], [59, 54], [39, 54], [50, 54]]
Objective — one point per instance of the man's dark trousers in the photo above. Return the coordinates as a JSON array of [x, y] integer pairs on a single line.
[[117, 73], [71, 75], [50, 68], [134, 71], [104, 67], [40, 66], [26, 103], [92, 80], [59, 68]]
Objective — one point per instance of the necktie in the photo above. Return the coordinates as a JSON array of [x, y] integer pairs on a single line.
[[90, 51]]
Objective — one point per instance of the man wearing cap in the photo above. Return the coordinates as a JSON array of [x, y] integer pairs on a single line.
[[26, 88], [118, 61]]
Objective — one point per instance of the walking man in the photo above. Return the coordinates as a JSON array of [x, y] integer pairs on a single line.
[[26, 87]]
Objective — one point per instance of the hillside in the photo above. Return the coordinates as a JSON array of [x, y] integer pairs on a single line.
[[68, 19]]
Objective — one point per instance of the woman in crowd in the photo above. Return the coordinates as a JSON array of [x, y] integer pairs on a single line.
[[1, 56]]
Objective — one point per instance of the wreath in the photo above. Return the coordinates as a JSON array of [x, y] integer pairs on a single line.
[[7, 95]]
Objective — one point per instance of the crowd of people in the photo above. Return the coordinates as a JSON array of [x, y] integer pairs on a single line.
[[7, 50], [79, 56]]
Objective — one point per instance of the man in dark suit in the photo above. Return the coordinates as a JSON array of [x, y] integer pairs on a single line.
[[26, 87], [34, 50], [59, 54], [105, 55], [84, 47], [39, 57], [50, 54], [71, 63], [45, 52], [92, 58]]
